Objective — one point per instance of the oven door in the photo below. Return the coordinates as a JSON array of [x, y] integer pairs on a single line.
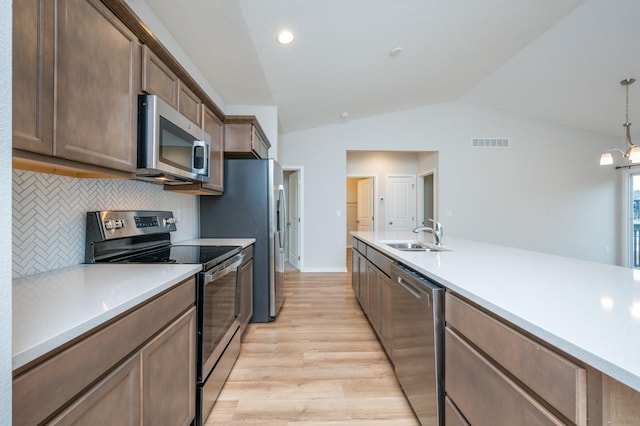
[[217, 306]]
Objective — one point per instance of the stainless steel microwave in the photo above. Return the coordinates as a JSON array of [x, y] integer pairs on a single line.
[[172, 149]]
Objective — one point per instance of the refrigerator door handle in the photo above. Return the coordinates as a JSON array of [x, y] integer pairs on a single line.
[[282, 217]]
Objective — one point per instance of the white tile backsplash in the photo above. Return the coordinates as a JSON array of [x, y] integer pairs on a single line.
[[49, 212]]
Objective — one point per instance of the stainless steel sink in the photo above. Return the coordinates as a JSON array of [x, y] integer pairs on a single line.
[[414, 246]]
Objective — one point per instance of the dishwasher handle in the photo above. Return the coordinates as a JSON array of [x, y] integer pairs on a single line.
[[416, 292]]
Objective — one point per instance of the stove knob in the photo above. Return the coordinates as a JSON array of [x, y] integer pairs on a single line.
[[170, 221], [112, 224]]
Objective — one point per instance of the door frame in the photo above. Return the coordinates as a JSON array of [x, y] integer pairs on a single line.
[[301, 225], [375, 196], [626, 217], [420, 195]]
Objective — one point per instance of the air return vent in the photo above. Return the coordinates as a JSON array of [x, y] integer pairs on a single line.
[[489, 143]]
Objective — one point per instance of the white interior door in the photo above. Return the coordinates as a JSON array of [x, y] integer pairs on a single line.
[[401, 203], [293, 223], [365, 204]]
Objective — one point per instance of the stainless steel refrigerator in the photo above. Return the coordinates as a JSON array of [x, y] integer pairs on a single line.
[[253, 206]]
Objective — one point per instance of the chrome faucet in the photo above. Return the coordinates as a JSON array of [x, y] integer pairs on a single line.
[[436, 231]]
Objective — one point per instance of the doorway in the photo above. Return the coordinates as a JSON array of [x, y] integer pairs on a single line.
[[427, 204], [360, 205], [293, 188]]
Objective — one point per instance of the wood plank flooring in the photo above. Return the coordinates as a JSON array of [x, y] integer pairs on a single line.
[[319, 363]]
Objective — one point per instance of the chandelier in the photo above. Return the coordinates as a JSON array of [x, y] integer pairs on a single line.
[[633, 151]]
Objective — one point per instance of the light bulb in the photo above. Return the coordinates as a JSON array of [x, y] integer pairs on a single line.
[[634, 155], [285, 37], [606, 159]]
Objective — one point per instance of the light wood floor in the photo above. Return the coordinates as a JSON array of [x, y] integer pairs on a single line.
[[319, 363]]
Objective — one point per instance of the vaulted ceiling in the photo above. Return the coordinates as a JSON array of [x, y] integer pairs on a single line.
[[559, 61]]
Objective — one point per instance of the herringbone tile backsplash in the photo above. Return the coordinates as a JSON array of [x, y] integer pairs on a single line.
[[49, 214]]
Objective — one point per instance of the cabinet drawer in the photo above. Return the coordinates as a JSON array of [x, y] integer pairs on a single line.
[[361, 247], [381, 261], [484, 395], [555, 379]]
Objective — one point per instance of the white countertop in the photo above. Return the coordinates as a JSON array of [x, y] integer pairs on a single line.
[[52, 308], [589, 310]]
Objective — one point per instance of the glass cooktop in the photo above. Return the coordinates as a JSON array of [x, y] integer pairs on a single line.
[[206, 255]]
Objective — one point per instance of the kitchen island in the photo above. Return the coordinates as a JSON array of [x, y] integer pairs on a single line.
[[585, 310]]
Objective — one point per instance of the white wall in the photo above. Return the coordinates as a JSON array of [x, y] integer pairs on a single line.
[[5, 212], [546, 192]]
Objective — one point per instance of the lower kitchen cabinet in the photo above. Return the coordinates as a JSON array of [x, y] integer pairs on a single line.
[[245, 281], [138, 369], [169, 374], [371, 283], [491, 364], [113, 401]]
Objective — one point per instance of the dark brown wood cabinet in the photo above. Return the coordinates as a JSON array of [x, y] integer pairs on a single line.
[[244, 137], [142, 363], [114, 401], [371, 283], [215, 128], [496, 361], [33, 56], [158, 79], [169, 374], [245, 281], [93, 61]]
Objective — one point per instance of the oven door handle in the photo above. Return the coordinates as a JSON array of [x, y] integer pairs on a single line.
[[223, 270]]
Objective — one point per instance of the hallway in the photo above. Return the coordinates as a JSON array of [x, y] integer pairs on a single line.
[[319, 363]]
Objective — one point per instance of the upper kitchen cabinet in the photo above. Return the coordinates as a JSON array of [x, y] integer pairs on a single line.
[[92, 60], [33, 76], [244, 138], [159, 79]]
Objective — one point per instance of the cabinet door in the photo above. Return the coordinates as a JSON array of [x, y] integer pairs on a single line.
[[169, 373], [189, 104], [214, 127], [373, 306], [363, 284], [158, 79], [113, 401], [97, 80], [246, 294], [33, 76], [355, 271], [386, 304], [258, 144]]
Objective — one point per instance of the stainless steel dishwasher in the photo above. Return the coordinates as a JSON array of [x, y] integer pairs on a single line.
[[417, 330]]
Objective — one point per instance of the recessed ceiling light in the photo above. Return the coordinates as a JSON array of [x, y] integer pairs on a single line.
[[285, 37], [395, 51]]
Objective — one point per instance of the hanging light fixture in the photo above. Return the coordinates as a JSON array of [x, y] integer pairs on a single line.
[[633, 151]]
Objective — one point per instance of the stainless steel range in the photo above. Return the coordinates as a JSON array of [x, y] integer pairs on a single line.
[[144, 237]]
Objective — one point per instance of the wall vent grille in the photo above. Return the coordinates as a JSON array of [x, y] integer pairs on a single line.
[[489, 143]]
